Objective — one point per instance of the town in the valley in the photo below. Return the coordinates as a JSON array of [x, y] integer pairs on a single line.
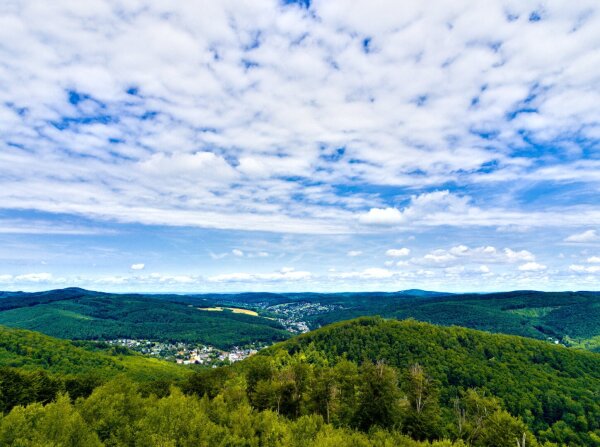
[[290, 316], [187, 353]]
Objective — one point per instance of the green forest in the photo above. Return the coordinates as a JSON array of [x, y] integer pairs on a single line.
[[365, 382], [84, 315], [572, 318]]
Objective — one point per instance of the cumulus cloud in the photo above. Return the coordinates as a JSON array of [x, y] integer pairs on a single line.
[[464, 254], [354, 253], [34, 277], [532, 267], [398, 252], [422, 206], [137, 266], [522, 255], [382, 216], [285, 274], [586, 236], [585, 269], [366, 274], [237, 252]]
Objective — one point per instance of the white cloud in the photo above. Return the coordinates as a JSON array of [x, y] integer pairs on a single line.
[[382, 216], [30, 226], [237, 252], [33, 277], [180, 279], [423, 206], [366, 274], [137, 266], [216, 115], [398, 252], [593, 259], [112, 280], [532, 267], [262, 117], [285, 274], [260, 254], [515, 256], [454, 270], [463, 250], [354, 253], [6, 278], [462, 254], [216, 256], [439, 256], [584, 269], [586, 236], [199, 167]]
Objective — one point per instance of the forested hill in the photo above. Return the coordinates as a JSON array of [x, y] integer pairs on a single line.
[[87, 315], [366, 382], [571, 318], [555, 390], [35, 367]]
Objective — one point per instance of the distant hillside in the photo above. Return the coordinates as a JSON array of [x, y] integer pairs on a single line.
[[32, 351], [572, 318], [82, 314]]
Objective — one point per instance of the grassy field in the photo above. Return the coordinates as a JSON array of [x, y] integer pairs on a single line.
[[235, 310]]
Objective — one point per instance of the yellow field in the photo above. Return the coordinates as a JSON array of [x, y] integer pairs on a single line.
[[235, 310]]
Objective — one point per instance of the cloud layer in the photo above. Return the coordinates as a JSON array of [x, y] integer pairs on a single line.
[[322, 118], [274, 117]]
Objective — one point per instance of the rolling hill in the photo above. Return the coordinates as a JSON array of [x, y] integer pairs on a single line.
[[569, 318], [86, 315], [364, 382], [572, 318], [35, 367], [553, 389]]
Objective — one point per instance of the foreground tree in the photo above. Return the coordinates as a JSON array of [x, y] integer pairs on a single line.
[[379, 397]]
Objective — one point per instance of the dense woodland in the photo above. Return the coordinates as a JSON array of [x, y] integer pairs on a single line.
[[365, 382], [84, 315], [573, 318]]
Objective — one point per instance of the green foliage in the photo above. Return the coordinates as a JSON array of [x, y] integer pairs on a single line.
[[380, 403], [56, 424], [367, 382], [35, 368], [116, 414], [83, 315], [545, 385], [572, 317]]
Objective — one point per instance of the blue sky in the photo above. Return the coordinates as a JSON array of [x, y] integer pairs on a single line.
[[314, 145]]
